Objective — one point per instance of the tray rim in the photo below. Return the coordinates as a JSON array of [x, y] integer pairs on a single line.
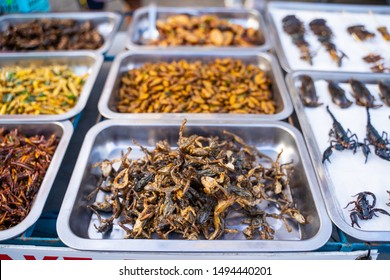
[[105, 111], [85, 92], [47, 183], [274, 35], [116, 17], [130, 45], [72, 240], [325, 183]]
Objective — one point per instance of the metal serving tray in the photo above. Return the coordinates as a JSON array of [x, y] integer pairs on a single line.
[[339, 17], [130, 60], [64, 131], [107, 23], [81, 62], [347, 174], [106, 140], [243, 17]]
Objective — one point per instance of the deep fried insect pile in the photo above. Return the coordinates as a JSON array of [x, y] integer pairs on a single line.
[[50, 34], [206, 30], [23, 164], [188, 192], [219, 86]]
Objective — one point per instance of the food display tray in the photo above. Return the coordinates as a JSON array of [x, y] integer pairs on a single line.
[[338, 17], [64, 131], [106, 23], [244, 17], [81, 62], [347, 174], [134, 59], [106, 140]]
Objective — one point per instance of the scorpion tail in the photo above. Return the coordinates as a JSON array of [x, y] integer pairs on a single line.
[[368, 116], [330, 113]]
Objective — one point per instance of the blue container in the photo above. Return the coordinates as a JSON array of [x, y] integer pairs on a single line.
[[24, 6]]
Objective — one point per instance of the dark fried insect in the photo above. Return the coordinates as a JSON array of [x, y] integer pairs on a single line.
[[384, 32], [363, 209], [188, 192], [362, 95], [50, 34], [23, 164], [384, 89], [380, 142], [343, 140], [338, 95], [324, 35], [295, 28], [308, 95], [372, 58], [360, 32], [379, 68]]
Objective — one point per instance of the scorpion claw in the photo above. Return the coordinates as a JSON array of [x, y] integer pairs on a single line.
[[354, 220], [366, 151]]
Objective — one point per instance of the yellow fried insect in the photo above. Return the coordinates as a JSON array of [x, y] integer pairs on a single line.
[[35, 90]]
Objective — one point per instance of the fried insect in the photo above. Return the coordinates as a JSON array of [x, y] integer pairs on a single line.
[[338, 95], [360, 32], [189, 192], [308, 94], [362, 95], [363, 209], [325, 35], [295, 28], [50, 34], [23, 164], [372, 58], [384, 89], [384, 32], [205, 30], [219, 86]]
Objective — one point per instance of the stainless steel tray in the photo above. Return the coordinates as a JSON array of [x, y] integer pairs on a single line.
[[243, 17], [81, 62], [107, 139], [64, 131], [339, 17], [347, 174], [107, 24], [134, 59]]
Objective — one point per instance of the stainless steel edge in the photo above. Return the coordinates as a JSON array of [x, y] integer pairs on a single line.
[[295, 6], [326, 186], [94, 16], [84, 95], [131, 45], [71, 239], [115, 69], [47, 183]]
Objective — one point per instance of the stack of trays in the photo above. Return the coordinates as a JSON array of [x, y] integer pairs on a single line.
[[346, 175], [81, 62], [78, 226]]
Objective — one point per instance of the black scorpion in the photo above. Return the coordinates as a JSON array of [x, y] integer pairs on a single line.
[[344, 139], [363, 209], [380, 142]]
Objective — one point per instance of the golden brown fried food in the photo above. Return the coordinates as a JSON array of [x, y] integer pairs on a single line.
[[206, 30], [219, 86]]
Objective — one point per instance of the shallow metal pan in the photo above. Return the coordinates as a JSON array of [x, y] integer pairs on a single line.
[[81, 62], [243, 17], [339, 17], [107, 139], [357, 176], [131, 60], [107, 24], [64, 131]]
